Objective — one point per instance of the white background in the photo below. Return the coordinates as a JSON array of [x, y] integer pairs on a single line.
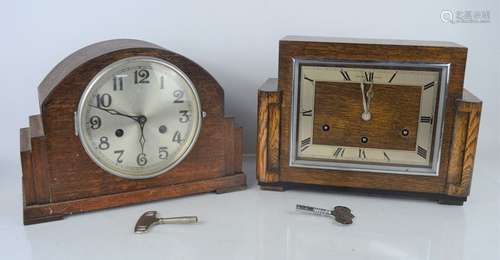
[[237, 42]]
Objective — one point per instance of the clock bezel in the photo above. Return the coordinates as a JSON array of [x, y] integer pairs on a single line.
[[294, 161], [80, 126]]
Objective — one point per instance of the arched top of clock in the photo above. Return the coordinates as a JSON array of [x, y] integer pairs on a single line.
[[80, 67]]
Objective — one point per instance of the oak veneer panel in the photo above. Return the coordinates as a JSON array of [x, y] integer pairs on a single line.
[[273, 135], [339, 105], [267, 122], [29, 195], [39, 155], [464, 144], [54, 211], [229, 145], [395, 42], [70, 63]]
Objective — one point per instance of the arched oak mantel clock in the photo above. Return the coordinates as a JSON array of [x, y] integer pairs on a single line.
[[123, 122], [382, 116]]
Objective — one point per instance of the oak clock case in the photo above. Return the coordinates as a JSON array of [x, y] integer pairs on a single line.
[[369, 115], [124, 122]]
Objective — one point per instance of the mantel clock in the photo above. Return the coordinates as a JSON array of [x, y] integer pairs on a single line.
[[369, 115], [123, 122]]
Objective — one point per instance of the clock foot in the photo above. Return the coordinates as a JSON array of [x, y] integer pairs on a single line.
[[456, 201], [272, 187], [29, 220]]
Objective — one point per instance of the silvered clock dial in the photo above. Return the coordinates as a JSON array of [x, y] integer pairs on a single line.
[[380, 117], [139, 117]]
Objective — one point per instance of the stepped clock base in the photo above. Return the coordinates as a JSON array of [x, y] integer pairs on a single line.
[[440, 198], [34, 214]]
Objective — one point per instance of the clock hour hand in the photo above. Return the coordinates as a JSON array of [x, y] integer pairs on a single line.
[[114, 112], [369, 96]]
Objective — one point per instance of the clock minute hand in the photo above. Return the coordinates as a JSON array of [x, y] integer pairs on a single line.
[[114, 112], [142, 140], [366, 115]]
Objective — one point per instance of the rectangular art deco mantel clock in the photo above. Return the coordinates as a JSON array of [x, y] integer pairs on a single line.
[[123, 122], [381, 116]]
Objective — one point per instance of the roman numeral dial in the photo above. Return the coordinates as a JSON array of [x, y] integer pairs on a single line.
[[366, 115]]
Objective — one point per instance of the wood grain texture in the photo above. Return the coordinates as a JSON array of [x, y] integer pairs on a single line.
[[392, 111], [268, 123], [229, 145], [311, 48], [84, 55], [63, 172], [464, 144], [395, 42], [29, 195], [55, 211], [39, 160], [273, 147]]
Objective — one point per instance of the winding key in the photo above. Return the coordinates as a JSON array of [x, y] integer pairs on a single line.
[[340, 213]]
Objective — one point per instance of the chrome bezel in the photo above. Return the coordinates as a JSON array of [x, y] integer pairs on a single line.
[[369, 167]]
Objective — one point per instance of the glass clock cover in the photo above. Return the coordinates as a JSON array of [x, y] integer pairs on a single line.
[[368, 116], [139, 117]]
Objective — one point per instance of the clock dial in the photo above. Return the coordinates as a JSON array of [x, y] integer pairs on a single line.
[[139, 117], [369, 116]]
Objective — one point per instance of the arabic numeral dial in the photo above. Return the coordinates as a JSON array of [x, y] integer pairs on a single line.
[[139, 117]]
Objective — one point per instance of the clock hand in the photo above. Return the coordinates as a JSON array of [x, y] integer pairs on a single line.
[[366, 115], [114, 112], [363, 95], [142, 140], [369, 96], [139, 119]]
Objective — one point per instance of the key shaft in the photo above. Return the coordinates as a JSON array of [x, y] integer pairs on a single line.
[[315, 211]]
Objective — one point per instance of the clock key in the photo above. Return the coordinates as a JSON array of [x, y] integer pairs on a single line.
[[341, 214], [150, 218]]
